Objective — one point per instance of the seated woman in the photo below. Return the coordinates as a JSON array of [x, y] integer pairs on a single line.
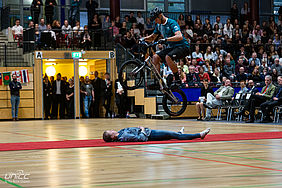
[[141, 134], [200, 105], [85, 41], [203, 75]]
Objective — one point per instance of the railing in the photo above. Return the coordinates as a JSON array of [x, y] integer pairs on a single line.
[[70, 40], [14, 54], [122, 55]]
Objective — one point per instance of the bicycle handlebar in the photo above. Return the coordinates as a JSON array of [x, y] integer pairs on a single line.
[[149, 45]]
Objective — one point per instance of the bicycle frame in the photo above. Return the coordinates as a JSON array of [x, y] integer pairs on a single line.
[[163, 87]]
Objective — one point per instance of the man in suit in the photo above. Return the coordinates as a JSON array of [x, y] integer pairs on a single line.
[[58, 90], [276, 100], [223, 93], [258, 98], [192, 77], [108, 95], [252, 88], [99, 92]]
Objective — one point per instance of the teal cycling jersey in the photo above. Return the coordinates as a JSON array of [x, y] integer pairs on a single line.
[[167, 30]]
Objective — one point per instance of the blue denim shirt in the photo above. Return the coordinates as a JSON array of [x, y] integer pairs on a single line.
[[133, 134]]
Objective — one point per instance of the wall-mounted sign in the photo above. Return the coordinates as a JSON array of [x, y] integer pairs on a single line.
[[76, 55], [38, 55]]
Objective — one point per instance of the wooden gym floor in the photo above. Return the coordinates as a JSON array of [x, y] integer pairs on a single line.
[[245, 163]]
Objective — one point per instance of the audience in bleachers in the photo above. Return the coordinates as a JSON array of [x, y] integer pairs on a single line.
[[238, 49]]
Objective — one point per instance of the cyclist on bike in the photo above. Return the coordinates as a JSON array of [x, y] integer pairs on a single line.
[[178, 46]]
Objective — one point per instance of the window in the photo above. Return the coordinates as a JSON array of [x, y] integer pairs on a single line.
[[167, 5], [176, 7], [276, 5]]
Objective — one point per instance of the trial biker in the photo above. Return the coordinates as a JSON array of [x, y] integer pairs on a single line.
[[177, 45]]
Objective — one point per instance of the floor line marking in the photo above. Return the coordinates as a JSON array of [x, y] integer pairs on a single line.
[[31, 135], [242, 142], [11, 183], [102, 184], [202, 159], [226, 155]]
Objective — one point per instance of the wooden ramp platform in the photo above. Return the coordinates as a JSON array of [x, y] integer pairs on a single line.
[[244, 163]]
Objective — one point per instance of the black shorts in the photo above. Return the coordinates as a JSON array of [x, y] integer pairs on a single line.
[[174, 53]]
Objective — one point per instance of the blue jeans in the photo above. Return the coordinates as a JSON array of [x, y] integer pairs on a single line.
[[158, 135], [87, 103], [15, 101]]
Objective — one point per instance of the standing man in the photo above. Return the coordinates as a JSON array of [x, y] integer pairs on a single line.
[[58, 90], [178, 46], [15, 87], [74, 11], [36, 9], [108, 95], [49, 10], [91, 6], [97, 84], [47, 91], [88, 91]]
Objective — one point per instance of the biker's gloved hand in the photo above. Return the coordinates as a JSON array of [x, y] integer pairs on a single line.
[[162, 41]]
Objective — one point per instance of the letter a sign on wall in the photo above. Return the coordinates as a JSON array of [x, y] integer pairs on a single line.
[[38, 55]]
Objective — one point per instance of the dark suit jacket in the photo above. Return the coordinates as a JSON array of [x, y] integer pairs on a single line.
[[253, 90], [108, 88], [54, 87], [34, 5], [48, 8], [190, 81], [280, 94], [98, 87]]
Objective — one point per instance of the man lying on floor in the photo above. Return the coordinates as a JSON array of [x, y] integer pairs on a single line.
[[141, 134]]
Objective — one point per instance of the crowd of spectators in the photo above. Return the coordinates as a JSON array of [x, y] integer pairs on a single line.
[[58, 97]]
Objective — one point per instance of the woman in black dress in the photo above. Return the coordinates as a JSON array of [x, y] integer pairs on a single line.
[[200, 105], [70, 99], [47, 91]]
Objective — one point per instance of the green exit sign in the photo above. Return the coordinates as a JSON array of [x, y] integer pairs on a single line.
[[76, 55]]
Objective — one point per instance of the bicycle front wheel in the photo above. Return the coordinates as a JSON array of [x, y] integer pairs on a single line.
[[175, 102], [131, 75]]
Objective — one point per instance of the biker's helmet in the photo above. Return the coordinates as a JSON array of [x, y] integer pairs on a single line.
[[155, 13]]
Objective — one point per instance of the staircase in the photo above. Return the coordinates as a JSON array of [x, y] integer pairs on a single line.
[[14, 55], [161, 114]]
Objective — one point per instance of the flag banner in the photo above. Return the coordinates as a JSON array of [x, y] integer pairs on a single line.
[[24, 76], [7, 77], [18, 74], [0, 79]]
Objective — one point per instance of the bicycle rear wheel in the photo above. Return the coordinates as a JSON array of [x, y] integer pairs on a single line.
[[130, 75], [175, 102]]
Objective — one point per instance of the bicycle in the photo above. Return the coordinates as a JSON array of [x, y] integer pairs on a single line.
[[131, 75]]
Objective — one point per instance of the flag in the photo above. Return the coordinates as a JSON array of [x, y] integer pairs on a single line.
[[0, 79], [18, 74], [7, 78], [24, 76]]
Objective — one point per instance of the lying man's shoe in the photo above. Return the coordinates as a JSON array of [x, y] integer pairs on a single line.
[[204, 133]]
